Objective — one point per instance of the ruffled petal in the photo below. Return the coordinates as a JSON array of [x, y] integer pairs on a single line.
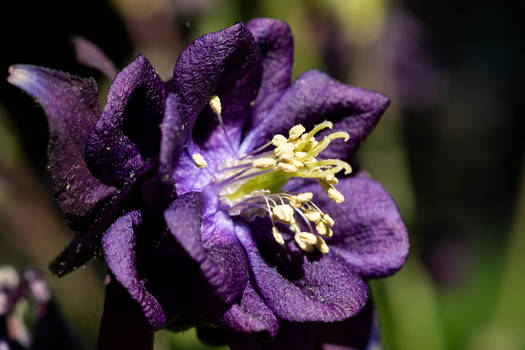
[[315, 97], [128, 133], [226, 63], [71, 106], [369, 233], [251, 316], [275, 40], [92, 56], [216, 250], [118, 244], [323, 290]]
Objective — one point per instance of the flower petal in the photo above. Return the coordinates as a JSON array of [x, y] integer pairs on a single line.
[[315, 97], [251, 316], [118, 244], [71, 106], [216, 250], [226, 63], [355, 333], [326, 290], [368, 232], [275, 40], [92, 56], [128, 132], [172, 136]]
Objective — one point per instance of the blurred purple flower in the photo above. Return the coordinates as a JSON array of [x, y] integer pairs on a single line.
[[246, 238], [48, 331]]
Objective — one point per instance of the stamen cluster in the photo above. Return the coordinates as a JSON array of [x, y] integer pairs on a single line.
[[251, 185]]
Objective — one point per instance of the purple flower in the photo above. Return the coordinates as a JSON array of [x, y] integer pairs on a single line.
[[48, 331], [230, 213]]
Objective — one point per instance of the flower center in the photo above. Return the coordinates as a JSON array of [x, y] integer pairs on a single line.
[[252, 185]]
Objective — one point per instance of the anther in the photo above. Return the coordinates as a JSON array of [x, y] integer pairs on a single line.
[[322, 246], [335, 195], [284, 213], [215, 104], [264, 163], [304, 246], [277, 235], [298, 200], [313, 216], [287, 168], [199, 160], [307, 237], [278, 140], [296, 132]]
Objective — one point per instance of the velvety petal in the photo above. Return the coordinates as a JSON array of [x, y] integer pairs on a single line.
[[86, 245], [216, 250], [123, 325], [92, 56], [173, 130], [118, 244], [128, 132], [251, 316], [315, 97], [275, 40], [71, 106], [325, 290], [368, 232], [226, 63]]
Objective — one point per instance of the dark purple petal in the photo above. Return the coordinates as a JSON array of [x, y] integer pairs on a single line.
[[173, 129], [86, 245], [118, 244], [368, 232], [275, 40], [128, 132], [92, 56], [216, 250], [71, 106], [226, 63], [123, 325], [326, 290], [354, 333], [315, 97], [251, 316]]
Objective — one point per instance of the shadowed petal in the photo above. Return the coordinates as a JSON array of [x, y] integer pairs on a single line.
[[92, 56], [220, 256], [368, 232], [226, 63], [275, 40], [173, 130], [123, 325], [71, 106], [118, 244], [251, 316], [326, 290], [315, 97], [128, 132]]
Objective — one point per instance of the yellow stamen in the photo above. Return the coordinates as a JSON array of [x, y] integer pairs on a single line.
[[215, 104], [277, 235], [296, 132], [199, 160], [284, 213]]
